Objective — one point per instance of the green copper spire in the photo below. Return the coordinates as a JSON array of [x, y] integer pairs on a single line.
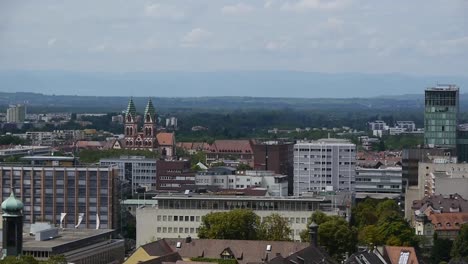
[[150, 109], [131, 108], [12, 206]]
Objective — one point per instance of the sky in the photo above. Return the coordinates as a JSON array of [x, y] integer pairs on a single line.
[[420, 37]]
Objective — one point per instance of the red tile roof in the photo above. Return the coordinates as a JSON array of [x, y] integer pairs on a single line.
[[448, 221], [165, 139], [232, 146]]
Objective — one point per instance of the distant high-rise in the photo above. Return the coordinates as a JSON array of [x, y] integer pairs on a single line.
[[16, 114], [441, 116]]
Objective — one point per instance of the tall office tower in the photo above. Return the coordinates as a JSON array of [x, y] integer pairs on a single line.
[[324, 165], [441, 116], [75, 197], [16, 114]]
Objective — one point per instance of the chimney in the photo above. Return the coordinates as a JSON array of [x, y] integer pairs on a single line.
[[188, 239], [313, 228]]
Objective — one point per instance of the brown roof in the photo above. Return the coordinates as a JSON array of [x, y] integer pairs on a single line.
[[89, 144], [448, 221], [395, 253], [231, 146], [444, 202], [245, 251], [165, 139]]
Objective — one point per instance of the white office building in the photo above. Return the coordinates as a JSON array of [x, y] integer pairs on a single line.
[[228, 178], [324, 165], [383, 181], [138, 170], [181, 216]]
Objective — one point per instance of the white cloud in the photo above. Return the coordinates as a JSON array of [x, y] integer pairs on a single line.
[[194, 37], [163, 11], [237, 9], [268, 4], [304, 5], [51, 42], [99, 48], [276, 45]]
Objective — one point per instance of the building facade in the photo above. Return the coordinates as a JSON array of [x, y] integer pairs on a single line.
[[16, 114], [324, 165], [276, 156], [181, 216], [136, 170], [135, 139], [48, 192], [383, 180], [171, 176], [441, 116]]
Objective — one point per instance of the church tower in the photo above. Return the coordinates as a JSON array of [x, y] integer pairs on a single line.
[[12, 226], [149, 127], [131, 124]]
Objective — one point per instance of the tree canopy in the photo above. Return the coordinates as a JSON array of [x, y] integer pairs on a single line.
[[28, 259], [460, 245], [275, 228]]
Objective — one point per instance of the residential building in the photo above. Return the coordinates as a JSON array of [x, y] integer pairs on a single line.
[[324, 165], [445, 225], [78, 246], [385, 181], [441, 177], [389, 255], [177, 216], [239, 150], [88, 193], [242, 251], [228, 178], [16, 114], [412, 157], [408, 126], [377, 125], [171, 122], [441, 116], [276, 156], [138, 171], [171, 176]]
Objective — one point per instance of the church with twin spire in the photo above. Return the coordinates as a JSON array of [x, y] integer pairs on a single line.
[[148, 137]]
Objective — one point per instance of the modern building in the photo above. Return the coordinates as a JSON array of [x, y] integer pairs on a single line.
[[441, 116], [81, 196], [171, 176], [408, 126], [16, 114], [78, 246], [228, 178], [384, 180], [462, 143], [324, 165], [276, 156], [25, 150], [177, 216], [136, 170], [378, 125], [442, 178]]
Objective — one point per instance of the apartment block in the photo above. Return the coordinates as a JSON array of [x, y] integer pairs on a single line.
[[384, 180], [171, 176], [324, 165]]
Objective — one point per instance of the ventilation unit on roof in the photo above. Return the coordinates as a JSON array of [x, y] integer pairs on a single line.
[[179, 244]]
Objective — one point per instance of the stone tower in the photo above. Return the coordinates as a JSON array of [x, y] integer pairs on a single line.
[[12, 226]]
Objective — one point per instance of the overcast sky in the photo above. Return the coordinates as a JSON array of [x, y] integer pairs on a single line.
[[369, 36]]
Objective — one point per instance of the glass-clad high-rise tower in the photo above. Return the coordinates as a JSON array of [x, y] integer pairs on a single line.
[[441, 116]]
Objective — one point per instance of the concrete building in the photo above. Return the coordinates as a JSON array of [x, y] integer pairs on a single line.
[[277, 156], [408, 126], [81, 196], [324, 165], [383, 180], [80, 246], [441, 116], [25, 150], [378, 125], [171, 176], [16, 114], [136, 170], [177, 216], [228, 178], [442, 178]]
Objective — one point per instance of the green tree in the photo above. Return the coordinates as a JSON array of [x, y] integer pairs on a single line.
[[441, 250], [337, 237], [317, 217], [275, 228], [243, 167], [370, 235], [460, 245], [236, 224], [199, 156], [396, 231]]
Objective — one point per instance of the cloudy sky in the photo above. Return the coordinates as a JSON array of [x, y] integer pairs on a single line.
[[369, 36]]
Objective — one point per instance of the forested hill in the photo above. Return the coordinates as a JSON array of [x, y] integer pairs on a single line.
[[45, 103]]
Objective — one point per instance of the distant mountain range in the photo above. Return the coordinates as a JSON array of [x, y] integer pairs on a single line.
[[106, 92], [284, 84]]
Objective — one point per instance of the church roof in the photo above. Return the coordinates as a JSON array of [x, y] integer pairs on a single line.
[[131, 108], [150, 108], [12, 205]]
